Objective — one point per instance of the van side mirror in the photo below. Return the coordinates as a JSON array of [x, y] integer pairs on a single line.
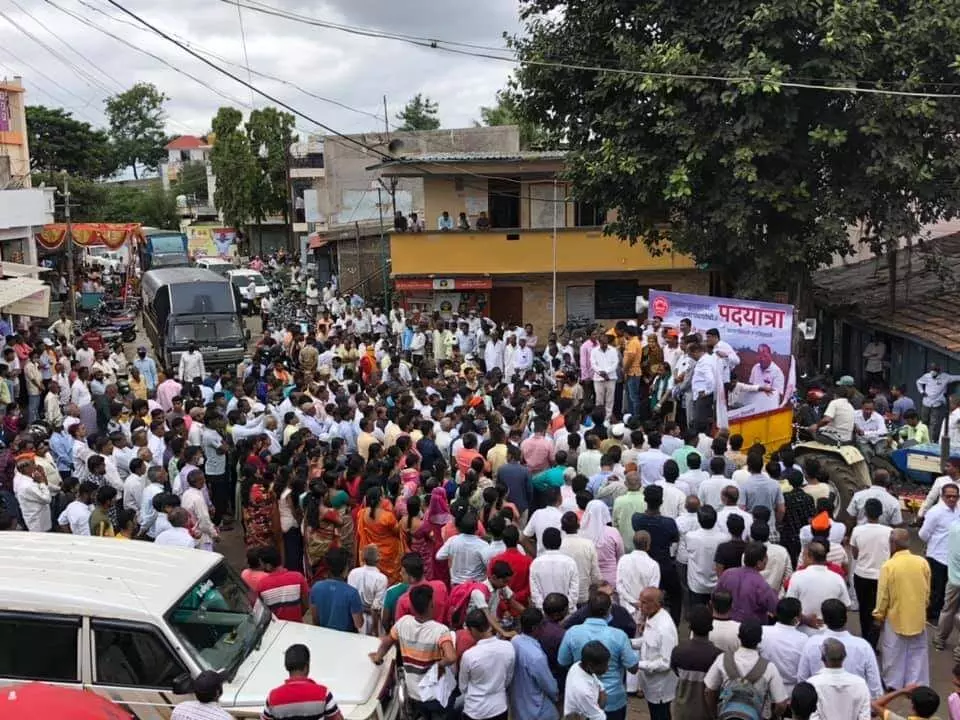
[[183, 684]]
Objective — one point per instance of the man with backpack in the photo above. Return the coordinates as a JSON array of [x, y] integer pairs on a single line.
[[743, 686]]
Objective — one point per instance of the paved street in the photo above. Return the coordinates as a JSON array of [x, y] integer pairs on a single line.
[[941, 664]]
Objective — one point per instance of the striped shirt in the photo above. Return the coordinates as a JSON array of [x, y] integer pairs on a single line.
[[301, 698], [420, 648], [194, 710], [282, 591]]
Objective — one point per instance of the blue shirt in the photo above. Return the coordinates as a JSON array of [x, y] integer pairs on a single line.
[[148, 370], [597, 481], [534, 691], [335, 603], [901, 405], [61, 446], [622, 656]]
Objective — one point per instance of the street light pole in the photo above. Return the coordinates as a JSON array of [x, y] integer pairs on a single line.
[[68, 241]]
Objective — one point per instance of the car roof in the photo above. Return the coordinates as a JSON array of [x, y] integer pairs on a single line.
[[215, 261], [244, 271], [101, 577]]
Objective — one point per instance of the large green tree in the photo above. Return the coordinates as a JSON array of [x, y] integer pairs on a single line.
[[151, 206], [758, 179], [60, 143], [235, 166], [192, 180], [136, 124], [505, 112], [270, 134], [419, 114]]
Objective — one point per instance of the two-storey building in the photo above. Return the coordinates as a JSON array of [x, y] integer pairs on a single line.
[[532, 254]]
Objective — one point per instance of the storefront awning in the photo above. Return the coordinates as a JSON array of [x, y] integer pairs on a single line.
[[25, 296]]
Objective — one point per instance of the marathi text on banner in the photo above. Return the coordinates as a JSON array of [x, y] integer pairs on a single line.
[[760, 335]]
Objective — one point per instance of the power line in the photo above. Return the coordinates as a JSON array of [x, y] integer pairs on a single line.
[[87, 78], [68, 91], [451, 47], [69, 46], [243, 44], [227, 61]]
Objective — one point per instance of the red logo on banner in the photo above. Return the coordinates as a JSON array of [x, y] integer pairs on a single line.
[[660, 306]]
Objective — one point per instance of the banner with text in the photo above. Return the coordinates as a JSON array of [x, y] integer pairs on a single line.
[[761, 336]]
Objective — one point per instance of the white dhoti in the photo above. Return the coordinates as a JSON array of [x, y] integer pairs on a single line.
[[904, 659], [633, 679]]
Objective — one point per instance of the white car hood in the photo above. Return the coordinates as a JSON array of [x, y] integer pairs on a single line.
[[337, 660]]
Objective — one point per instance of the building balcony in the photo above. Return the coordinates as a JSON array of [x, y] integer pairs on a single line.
[[523, 251]]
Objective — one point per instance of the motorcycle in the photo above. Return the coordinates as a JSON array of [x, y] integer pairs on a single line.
[[125, 326]]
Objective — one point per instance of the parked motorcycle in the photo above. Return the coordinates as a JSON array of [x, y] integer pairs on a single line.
[[123, 325]]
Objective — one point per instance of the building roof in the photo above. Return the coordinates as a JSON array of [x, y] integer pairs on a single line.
[[465, 158], [926, 308], [105, 577], [187, 142]]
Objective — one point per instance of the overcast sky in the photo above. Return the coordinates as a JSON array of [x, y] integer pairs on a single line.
[[353, 70]]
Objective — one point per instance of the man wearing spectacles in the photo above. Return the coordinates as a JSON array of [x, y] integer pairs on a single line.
[[935, 532]]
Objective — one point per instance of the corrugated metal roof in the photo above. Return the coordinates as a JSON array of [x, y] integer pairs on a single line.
[[466, 157], [927, 306]]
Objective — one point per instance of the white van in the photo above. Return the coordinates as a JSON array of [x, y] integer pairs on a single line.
[[217, 265], [134, 622]]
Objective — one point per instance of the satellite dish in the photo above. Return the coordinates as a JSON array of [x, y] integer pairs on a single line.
[[395, 146]]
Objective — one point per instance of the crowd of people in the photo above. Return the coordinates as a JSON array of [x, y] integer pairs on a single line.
[[528, 524]]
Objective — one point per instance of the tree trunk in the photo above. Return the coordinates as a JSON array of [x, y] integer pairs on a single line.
[[135, 176], [892, 275]]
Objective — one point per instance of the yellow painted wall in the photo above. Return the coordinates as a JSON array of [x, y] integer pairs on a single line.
[[474, 253]]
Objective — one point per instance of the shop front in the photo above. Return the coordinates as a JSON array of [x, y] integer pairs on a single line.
[[445, 296]]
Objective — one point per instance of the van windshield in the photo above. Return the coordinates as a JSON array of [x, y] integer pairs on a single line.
[[206, 329], [220, 620], [197, 298]]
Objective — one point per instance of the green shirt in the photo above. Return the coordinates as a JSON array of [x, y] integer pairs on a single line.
[[390, 599], [100, 524], [680, 458], [919, 434], [624, 508], [549, 478]]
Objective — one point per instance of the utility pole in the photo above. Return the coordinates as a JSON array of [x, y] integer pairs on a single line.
[[68, 241]]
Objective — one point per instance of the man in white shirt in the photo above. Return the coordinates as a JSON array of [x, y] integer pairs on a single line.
[[691, 477], [782, 643], [869, 425], [133, 486], [75, 518], [674, 499], [486, 670], [79, 392], [493, 352], [711, 488], [841, 695], [891, 516], [839, 415], [372, 586], [728, 358], [34, 498], [729, 497], [778, 568], [191, 364], [523, 359], [636, 571], [546, 517], [583, 552], [552, 571], [870, 547], [583, 694], [657, 680], [815, 584], [767, 373], [935, 532], [701, 548], [650, 462], [177, 534], [933, 386], [769, 684], [703, 386], [604, 362]]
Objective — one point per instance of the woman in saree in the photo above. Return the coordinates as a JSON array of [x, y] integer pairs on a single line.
[[418, 535], [596, 527], [377, 525], [261, 515], [430, 533], [321, 530]]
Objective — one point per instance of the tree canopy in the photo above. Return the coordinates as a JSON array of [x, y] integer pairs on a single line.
[[420, 113], [759, 179], [505, 112], [192, 180], [235, 167], [270, 134], [60, 143], [136, 124]]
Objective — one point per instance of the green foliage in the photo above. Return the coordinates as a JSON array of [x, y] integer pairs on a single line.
[[87, 198], [505, 112], [419, 114], [136, 125], [152, 206], [58, 143], [235, 167], [192, 180], [759, 180], [270, 134]]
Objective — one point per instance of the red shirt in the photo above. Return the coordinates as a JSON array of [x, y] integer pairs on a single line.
[[282, 591], [520, 564], [440, 599], [301, 697]]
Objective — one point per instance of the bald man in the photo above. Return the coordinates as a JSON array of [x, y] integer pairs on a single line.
[[903, 592], [841, 695], [655, 678]]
